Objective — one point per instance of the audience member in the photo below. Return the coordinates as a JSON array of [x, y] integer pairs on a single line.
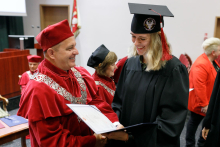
[[33, 62]]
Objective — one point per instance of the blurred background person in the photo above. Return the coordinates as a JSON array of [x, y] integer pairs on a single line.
[[104, 63], [202, 77], [33, 62]]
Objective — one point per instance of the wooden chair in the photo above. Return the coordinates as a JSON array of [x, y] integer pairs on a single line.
[[4, 112]]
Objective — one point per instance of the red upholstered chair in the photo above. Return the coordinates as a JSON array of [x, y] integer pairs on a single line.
[[186, 60]]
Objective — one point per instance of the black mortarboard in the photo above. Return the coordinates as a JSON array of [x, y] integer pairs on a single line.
[[147, 18], [98, 56]]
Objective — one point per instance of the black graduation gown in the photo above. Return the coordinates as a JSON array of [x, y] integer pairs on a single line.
[[212, 118], [155, 96]]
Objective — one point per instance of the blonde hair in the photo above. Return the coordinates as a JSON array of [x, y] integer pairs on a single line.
[[102, 67], [210, 44], [154, 53]]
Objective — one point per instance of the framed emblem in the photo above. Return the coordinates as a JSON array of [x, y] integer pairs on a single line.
[[149, 24]]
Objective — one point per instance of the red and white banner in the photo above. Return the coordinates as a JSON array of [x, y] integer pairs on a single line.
[[75, 20]]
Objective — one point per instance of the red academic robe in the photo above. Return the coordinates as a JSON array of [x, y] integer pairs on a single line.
[[117, 71], [106, 87], [25, 77], [51, 122]]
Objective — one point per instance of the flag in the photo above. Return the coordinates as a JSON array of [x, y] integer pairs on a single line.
[[75, 20]]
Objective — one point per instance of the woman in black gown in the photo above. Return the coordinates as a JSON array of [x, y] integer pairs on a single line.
[[153, 85], [211, 122]]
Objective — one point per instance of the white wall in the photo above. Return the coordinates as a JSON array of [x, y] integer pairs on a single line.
[[33, 14], [108, 22]]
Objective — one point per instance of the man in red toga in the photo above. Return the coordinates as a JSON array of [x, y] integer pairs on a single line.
[[33, 62], [60, 82]]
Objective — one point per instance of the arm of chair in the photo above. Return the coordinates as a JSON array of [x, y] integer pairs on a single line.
[[5, 102]]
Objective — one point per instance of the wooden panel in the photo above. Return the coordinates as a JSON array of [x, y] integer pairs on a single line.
[[12, 65], [39, 50], [51, 14], [10, 52], [217, 27]]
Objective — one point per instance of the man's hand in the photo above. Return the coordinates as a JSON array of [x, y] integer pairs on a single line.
[[120, 135], [100, 140], [204, 109], [205, 133]]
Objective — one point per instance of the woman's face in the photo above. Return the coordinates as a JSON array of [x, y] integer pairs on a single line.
[[142, 42], [216, 53], [110, 70]]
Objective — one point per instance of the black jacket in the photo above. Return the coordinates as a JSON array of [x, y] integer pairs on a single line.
[[212, 118]]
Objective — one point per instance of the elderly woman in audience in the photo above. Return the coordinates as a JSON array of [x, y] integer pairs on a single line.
[[202, 77], [104, 63]]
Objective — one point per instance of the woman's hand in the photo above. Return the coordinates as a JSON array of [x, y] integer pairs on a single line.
[[205, 133], [120, 126], [204, 109]]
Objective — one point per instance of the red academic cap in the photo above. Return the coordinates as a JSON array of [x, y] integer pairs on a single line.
[[33, 58], [54, 34]]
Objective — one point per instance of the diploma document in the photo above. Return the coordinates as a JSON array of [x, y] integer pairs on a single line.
[[98, 122]]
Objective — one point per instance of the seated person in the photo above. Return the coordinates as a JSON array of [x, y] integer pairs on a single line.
[[104, 63], [33, 62], [60, 82]]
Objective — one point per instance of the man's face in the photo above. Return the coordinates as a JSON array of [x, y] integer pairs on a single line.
[[64, 56], [33, 65]]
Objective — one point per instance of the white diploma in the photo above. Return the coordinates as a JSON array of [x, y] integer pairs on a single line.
[[94, 118]]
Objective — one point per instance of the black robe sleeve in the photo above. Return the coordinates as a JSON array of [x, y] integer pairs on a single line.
[[173, 107], [117, 102], [212, 118], [214, 102]]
